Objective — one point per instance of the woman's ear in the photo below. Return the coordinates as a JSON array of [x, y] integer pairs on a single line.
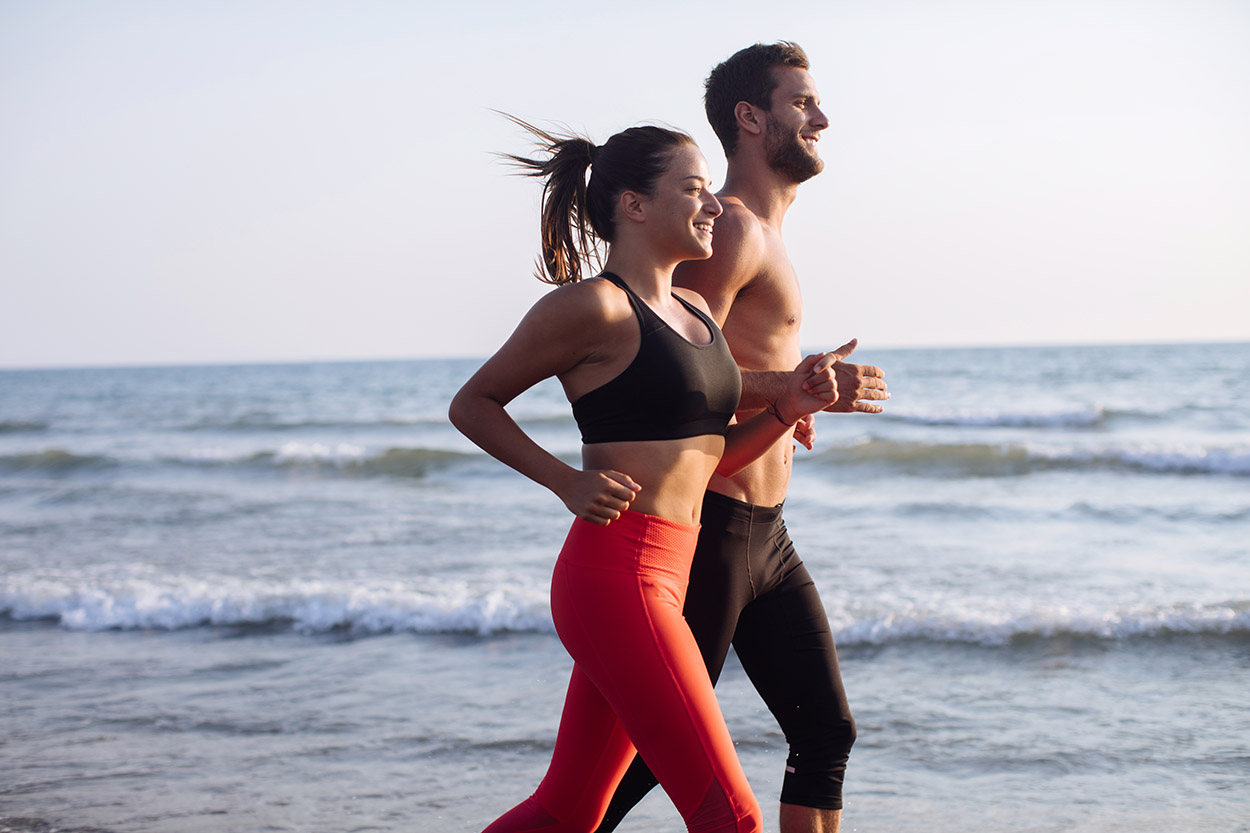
[[748, 117], [632, 206]]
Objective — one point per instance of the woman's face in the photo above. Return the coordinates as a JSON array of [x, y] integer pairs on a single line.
[[682, 208]]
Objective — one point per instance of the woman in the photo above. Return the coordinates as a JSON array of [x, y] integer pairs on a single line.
[[653, 388]]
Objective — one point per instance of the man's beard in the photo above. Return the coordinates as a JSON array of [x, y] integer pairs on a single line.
[[788, 155]]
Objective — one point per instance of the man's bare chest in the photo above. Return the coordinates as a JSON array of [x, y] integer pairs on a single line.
[[762, 327]]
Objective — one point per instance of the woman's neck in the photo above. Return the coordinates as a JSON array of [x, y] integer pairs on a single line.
[[649, 279]]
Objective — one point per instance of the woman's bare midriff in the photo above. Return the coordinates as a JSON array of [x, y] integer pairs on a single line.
[[673, 473]]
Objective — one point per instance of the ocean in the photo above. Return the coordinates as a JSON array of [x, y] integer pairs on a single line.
[[293, 598]]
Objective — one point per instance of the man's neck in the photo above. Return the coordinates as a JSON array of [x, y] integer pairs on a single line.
[[762, 190]]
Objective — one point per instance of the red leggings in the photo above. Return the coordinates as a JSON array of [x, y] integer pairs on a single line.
[[638, 681]]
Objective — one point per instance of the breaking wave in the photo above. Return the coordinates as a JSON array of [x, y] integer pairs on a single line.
[[20, 426], [346, 458], [54, 461], [1074, 418], [148, 602], [999, 459]]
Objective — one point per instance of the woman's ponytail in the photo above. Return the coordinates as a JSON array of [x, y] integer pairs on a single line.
[[568, 237], [578, 213]]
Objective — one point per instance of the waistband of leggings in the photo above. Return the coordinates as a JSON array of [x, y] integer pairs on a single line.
[[647, 539], [714, 503], [642, 524]]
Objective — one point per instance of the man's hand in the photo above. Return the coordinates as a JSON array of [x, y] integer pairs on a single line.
[[859, 386]]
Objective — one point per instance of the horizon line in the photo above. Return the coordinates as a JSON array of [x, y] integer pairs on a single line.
[[193, 363]]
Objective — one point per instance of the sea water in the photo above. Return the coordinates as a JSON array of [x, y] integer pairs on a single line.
[[293, 598]]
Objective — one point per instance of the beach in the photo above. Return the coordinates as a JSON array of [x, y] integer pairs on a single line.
[[291, 597]]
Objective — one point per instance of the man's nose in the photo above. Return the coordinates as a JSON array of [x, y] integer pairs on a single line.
[[819, 120]]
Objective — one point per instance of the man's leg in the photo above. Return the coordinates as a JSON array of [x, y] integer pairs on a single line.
[[796, 819], [786, 646]]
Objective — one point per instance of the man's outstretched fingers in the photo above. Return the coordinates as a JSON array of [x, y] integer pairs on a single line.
[[845, 350]]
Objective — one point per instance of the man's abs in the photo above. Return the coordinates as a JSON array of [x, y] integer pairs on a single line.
[[765, 481]]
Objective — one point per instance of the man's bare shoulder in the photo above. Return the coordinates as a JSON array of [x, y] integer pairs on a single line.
[[737, 224], [737, 255]]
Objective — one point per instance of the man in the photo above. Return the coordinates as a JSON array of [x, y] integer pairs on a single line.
[[747, 584]]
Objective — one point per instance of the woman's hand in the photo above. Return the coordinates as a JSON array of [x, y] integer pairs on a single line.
[[810, 388], [805, 431], [598, 495]]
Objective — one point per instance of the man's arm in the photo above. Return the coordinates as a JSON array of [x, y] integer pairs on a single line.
[[858, 386], [737, 260]]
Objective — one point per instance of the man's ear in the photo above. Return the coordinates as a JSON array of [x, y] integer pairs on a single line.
[[749, 118], [633, 206]]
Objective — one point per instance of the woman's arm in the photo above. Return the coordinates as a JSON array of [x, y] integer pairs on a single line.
[[808, 390], [556, 335], [788, 398]]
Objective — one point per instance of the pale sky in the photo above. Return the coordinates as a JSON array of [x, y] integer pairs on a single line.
[[271, 181]]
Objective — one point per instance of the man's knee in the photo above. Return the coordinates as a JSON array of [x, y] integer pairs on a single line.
[[826, 742], [816, 766]]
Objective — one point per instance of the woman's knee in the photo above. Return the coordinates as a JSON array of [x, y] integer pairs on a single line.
[[752, 821], [726, 809]]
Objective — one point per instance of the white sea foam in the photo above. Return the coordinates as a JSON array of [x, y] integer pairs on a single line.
[[211, 454], [336, 454], [172, 603], [346, 457], [1154, 457], [993, 624]]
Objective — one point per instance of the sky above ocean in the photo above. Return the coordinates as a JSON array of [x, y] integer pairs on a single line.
[[207, 182]]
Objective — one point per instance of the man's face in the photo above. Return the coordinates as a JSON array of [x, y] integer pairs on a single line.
[[793, 125]]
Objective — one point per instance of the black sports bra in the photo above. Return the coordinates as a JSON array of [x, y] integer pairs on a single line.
[[672, 390]]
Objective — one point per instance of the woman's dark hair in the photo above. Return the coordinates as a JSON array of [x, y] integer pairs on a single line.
[[747, 75], [576, 214]]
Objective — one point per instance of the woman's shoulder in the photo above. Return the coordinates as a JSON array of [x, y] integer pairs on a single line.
[[588, 301], [693, 298]]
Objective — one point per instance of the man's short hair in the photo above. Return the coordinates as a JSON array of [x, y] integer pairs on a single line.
[[748, 76]]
